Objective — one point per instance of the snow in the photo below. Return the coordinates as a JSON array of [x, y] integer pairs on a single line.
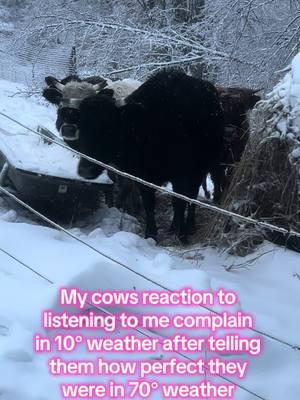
[[265, 288], [267, 283], [296, 69], [284, 102]]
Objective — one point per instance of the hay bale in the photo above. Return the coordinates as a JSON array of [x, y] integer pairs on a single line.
[[266, 183]]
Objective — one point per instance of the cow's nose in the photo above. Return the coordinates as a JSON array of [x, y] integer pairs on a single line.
[[88, 170], [69, 132]]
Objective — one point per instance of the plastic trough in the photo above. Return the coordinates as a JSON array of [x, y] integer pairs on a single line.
[[59, 195]]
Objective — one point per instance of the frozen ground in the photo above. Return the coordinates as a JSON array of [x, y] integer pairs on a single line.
[[268, 283]]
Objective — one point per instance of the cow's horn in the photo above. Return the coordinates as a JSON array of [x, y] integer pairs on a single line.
[[53, 82], [59, 86]]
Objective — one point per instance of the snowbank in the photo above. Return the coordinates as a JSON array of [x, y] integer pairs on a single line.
[[283, 102]]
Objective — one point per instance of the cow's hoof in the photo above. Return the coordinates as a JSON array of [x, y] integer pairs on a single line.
[[153, 237]]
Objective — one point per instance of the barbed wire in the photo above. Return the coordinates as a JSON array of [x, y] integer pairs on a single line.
[[189, 200], [142, 332], [157, 284]]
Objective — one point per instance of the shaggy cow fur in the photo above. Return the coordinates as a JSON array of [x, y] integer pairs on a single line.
[[170, 129]]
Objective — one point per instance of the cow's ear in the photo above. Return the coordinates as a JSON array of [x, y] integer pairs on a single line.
[[52, 95], [253, 99], [51, 81]]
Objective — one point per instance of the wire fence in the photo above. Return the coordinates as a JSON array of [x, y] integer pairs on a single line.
[[23, 62], [189, 200]]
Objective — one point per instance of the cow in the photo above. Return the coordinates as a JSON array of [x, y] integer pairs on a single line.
[[236, 103], [170, 129]]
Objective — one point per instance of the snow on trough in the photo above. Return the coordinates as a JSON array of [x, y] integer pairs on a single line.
[[268, 284]]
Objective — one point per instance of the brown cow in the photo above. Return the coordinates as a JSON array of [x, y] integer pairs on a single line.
[[236, 103]]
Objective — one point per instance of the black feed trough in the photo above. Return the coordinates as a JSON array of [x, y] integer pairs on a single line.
[[47, 183]]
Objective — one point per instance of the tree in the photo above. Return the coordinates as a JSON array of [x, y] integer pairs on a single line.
[[231, 42]]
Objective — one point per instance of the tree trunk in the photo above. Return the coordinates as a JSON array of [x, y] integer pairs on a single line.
[[73, 62], [187, 10]]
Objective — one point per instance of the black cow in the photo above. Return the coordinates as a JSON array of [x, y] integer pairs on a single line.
[[170, 129], [126, 193]]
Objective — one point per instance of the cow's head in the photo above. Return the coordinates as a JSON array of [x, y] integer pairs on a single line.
[[87, 116], [68, 115], [246, 98], [53, 91], [67, 95]]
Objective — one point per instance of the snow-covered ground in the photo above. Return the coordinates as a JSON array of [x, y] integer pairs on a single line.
[[268, 288], [267, 283]]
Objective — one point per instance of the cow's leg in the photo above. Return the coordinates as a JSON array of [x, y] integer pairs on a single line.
[[191, 219], [148, 197], [189, 189], [204, 185], [177, 226], [123, 194], [218, 177]]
